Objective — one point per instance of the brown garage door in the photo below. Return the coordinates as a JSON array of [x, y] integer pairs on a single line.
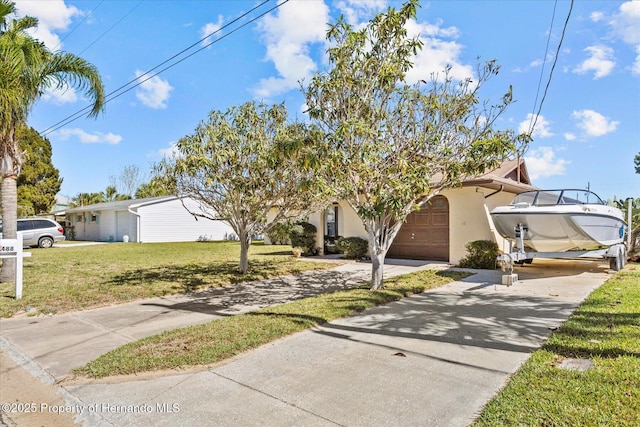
[[425, 234]]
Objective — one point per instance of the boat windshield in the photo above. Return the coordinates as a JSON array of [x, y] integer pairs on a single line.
[[558, 197]]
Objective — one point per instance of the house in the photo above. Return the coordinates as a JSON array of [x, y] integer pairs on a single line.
[[441, 229], [155, 219]]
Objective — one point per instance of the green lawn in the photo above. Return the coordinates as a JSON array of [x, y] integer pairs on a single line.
[[220, 339], [606, 330], [71, 278]]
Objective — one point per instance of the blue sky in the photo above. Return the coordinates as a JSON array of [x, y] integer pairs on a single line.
[[587, 133]]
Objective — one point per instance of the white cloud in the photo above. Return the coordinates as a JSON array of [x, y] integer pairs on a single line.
[[626, 26], [601, 61], [542, 163], [626, 23], [168, 152], [358, 11], [569, 136], [596, 16], [635, 68], [154, 93], [542, 126], [89, 138], [210, 28], [288, 36], [53, 16], [63, 95], [437, 53], [594, 123]]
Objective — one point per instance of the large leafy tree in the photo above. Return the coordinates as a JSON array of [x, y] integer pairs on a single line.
[[27, 69], [39, 180], [391, 146], [243, 164]]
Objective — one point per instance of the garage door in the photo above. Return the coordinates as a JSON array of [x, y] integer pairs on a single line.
[[425, 234]]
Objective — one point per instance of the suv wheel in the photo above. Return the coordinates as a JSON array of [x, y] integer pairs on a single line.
[[45, 242]]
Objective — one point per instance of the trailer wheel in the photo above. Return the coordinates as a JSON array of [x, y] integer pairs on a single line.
[[617, 263]]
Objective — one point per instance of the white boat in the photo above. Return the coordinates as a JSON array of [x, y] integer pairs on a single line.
[[560, 220]]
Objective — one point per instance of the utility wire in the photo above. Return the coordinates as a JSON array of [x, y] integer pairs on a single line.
[[111, 27], [555, 61], [112, 94], [139, 80], [544, 63], [76, 27]]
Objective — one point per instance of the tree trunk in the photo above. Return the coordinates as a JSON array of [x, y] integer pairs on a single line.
[[9, 222], [245, 243], [380, 237], [377, 270], [377, 253]]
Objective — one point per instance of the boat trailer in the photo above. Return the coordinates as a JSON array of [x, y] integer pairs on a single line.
[[616, 255]]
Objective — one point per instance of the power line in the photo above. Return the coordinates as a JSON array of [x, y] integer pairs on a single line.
[[76, 27], [111, 27], [139, 80], [113, 94], [535, 116]]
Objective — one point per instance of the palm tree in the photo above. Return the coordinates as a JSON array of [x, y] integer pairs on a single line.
[[27, 69]]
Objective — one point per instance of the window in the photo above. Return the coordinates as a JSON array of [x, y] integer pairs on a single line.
[[331, 221], [93, 217], [79, 218], [25, 225]]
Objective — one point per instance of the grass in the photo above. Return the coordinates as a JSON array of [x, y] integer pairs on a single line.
[[73, 278], [604, 329], [221, 339]]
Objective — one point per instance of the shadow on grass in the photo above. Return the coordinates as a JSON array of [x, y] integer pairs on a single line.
[[194, 277], [279, 253], [597, 335], [297, 318], [251, 295]]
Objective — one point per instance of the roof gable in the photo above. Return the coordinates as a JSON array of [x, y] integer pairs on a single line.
[[511, 175]]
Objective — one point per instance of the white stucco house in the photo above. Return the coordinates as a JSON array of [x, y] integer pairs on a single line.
[[155, 219], [442, 228]]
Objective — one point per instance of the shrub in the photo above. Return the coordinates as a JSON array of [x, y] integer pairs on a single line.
[[303, 235], [352, 247], [480, 254], [278, 234]]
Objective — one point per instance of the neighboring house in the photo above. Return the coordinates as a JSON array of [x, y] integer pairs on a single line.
[[62, 203], [442, 228], [155, 219]]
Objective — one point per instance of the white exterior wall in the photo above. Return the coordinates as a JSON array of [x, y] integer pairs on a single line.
[[125, 224], [107, 221], [91, 229], [468, 219], [169, 221], [317, 219], [349, 223]]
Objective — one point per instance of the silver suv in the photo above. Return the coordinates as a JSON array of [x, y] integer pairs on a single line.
[[39, 232]]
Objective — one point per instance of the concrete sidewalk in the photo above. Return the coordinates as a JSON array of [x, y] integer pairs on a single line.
[[432, 359]]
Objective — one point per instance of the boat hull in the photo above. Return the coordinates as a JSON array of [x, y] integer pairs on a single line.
[[575, 227]]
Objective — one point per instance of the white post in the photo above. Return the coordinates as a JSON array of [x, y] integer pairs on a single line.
[[12, 248], [19, 267], [629, 226]]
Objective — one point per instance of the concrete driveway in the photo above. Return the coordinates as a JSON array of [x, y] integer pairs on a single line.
[[432, 359]]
